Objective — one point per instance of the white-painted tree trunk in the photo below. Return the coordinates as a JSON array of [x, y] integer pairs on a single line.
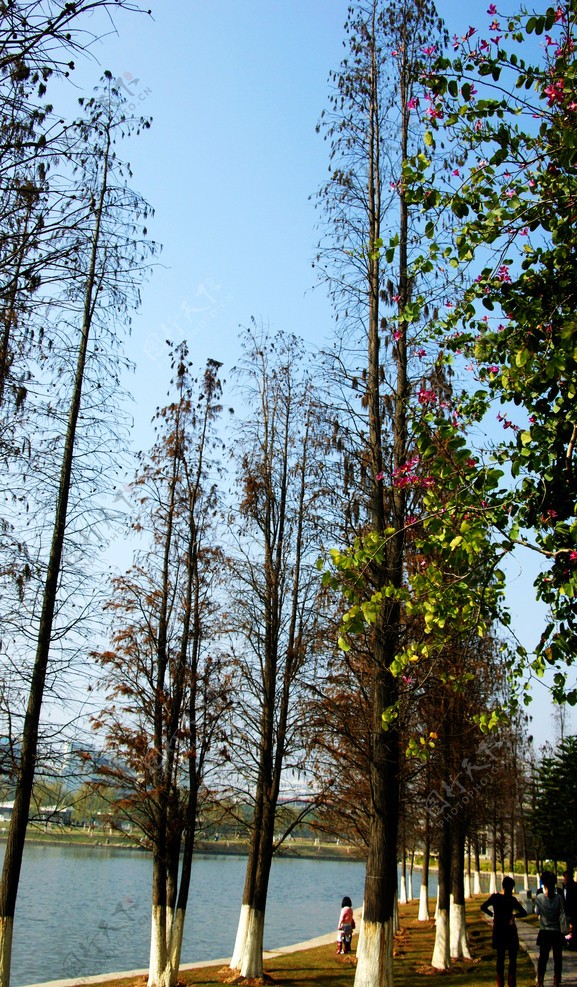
[[476, 882], [527, 885], [493, 882], [165, 947], [424, 915], [247, 955], [6, 928], [176, 938], [159, 972], [241, 934], [397, 916], [441, 953], [375, 955], [467, 884], [459, 947], [403, 889]]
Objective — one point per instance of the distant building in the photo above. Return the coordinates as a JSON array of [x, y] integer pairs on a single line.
[[47, 814]]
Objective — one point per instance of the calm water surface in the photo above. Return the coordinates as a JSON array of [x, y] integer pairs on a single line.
[[84, 911]]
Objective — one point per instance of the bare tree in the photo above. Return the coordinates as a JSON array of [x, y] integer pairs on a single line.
[[167, 685], [101, 278], [273, 590]]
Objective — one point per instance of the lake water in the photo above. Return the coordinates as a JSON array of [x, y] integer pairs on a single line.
[[83, 911]]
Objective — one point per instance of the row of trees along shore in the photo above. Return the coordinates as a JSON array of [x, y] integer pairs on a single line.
[[317, 591]]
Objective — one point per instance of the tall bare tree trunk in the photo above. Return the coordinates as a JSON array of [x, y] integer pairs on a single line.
[[29, 748]]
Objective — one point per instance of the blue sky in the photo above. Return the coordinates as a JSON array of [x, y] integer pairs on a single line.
[[231, 166]]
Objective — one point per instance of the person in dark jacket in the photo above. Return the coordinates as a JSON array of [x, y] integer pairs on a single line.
[[503, 907]]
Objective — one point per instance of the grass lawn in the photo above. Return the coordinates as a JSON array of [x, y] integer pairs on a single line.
[[321, 967]]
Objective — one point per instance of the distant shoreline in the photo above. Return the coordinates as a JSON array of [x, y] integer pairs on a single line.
[[310, 851]]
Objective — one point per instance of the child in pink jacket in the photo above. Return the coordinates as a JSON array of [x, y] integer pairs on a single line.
[[346, 926]]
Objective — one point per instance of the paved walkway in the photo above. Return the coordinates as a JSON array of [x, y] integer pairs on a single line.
[[528, 940]]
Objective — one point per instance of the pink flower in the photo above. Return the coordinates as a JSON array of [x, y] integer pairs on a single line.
[[427, 396], [492, 10], [397, 334], [555, 92], [573, 556], [380, 476], [456, 173], [503, 274], [430, 50], [493, 369], [412, 103]]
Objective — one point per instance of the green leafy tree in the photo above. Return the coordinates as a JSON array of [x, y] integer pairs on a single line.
[[515, 242]]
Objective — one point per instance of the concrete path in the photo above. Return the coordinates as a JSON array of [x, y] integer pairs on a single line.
[[528, 940]]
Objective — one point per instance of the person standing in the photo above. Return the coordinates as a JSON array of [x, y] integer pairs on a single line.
[[570, 904], [346, 926], [503, 907], [549, 908]]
